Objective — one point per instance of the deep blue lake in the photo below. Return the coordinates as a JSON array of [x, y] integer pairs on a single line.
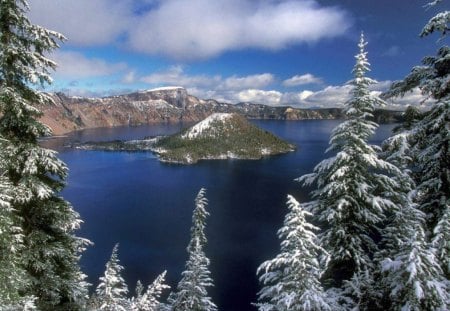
[[146, 206]]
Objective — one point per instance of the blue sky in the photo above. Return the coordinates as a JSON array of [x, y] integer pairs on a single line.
[[277, 52]]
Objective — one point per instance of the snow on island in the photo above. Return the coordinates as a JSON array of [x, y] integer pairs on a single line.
[[219, 136], [205, 126]]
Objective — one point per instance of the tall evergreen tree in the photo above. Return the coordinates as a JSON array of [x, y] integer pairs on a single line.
[[429, 138], [111, 292], [411, 274], [291, 280], [192, 294], [354, 191], [50, 250], [12, 276]]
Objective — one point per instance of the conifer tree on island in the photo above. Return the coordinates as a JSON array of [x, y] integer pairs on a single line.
[[192, 294], [40, 221], [353, 193], [291, 279]]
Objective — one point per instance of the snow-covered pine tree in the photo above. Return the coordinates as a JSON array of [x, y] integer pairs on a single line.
[[111, 292], [50, 250], [291, 280], [410, 274], [353, 190], [12, 276], [192, 294], [429, 138], [410, 277], [149, 301]]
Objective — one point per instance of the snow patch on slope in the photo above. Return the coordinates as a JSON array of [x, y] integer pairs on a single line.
[[205, 125]]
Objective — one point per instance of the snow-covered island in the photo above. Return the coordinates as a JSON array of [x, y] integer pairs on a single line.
[[219, 136]]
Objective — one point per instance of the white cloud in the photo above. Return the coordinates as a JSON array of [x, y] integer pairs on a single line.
[[250, 88], [295, 98], [302, 80], [305, 94], [84, 22], [175, 76], [413, 98], [331, 96], [197, 29], [191, 29], [207, 84], [251, 81], [336, 96], [129, 77], [74, 65], [260, 97]]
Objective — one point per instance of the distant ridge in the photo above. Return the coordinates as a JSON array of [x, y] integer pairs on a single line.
[[167, 104]]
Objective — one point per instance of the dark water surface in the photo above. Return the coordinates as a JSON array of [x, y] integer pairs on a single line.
[[146, 206]]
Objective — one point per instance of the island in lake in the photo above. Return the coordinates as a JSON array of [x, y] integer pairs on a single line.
[[219, 136]]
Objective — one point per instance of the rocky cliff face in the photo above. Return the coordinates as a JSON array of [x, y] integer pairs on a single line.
[[171, 104]]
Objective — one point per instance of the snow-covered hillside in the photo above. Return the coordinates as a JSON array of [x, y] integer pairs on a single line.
[[220, 136], [205, 126]]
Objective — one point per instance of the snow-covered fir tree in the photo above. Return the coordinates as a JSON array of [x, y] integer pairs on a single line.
[[111, 292], [429, 138], [354, 191], [50, 251], [191, 293], [149, 301], [291, 280], [411, 277], [12, 276]]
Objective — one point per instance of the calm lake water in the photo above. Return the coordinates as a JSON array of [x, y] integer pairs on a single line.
[[146, 206]]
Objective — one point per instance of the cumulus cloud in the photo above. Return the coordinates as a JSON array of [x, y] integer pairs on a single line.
[[256, 88], [201, 85], [251, 81], [302, 80], [175, 75], [75, 65], [413, 98], [260, 96], [331, 96], [84, 22], [197, 29], [336, 96], [191, 29]]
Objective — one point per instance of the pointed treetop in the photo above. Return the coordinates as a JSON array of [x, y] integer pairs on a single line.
[[192, 293], [362, 64], [291, 279], [362, 42], [198, 220]]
